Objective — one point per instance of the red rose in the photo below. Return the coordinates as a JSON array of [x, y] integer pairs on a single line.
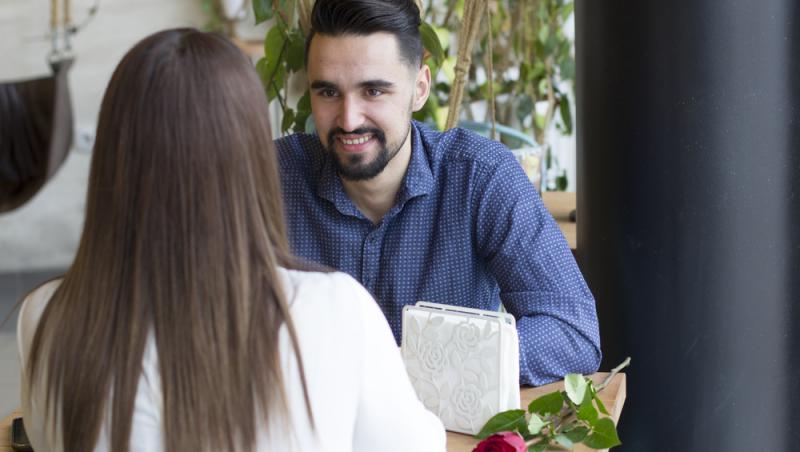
[[502, 442]]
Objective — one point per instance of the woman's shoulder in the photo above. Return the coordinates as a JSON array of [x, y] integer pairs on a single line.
[[335, 296], [331, 286], [33, 305]]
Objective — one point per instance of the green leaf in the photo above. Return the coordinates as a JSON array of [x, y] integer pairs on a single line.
[[273, 44], [505, 421], [536, 424], [300, 121], [271, 68], [586, 412], [564, 441], [295, 51], [524, 107], [303, 112], [434, 67], [263, 10], [547, 404], [288, 119], [604, 435], [551, 44], [525, 71], [543, 87], [567, 69], [271, 76], [430, 40], [576, 434], [539, 70], [304, 104], [544, 33], [561, 181], [444, 38], [575, 385], [261, 67], [600, 406], [538, 447], [275, 84], [566, 114]]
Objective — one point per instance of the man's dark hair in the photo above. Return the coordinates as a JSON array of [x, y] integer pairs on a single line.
[[364, 17]]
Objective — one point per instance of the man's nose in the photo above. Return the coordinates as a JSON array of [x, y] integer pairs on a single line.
[[351, 114]]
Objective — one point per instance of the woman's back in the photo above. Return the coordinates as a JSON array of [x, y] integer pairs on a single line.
[[360, 395], [178, 326]]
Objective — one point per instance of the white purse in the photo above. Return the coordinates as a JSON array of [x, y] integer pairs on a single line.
[[462, 362]]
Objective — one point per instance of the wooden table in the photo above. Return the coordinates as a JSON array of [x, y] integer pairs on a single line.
[[613, 397], [560, 204]]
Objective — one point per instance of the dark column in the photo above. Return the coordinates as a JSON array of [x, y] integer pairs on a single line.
[[689, 215]]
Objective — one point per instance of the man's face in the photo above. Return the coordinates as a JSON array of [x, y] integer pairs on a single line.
[[362, 97]]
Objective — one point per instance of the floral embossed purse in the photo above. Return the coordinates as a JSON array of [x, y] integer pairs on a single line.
[[462, 362]]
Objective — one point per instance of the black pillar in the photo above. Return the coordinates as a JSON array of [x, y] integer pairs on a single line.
[[689, 215]]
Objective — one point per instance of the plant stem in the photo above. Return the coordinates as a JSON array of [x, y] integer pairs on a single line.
[[450, 8], [613, 373], [534, 442]]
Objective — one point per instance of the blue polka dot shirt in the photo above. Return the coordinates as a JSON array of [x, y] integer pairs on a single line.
[[468, 229]]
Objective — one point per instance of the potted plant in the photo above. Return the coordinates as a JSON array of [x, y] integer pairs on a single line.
[[521, 70]]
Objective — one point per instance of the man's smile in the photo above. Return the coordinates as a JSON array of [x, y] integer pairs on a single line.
[[354, 143]]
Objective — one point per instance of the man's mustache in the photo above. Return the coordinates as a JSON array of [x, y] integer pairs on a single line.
[[336, 131]]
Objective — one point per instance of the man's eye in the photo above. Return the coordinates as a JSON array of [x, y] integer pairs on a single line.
[[374, 92], [328, 93]]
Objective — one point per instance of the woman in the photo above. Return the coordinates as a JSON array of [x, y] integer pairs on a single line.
[[184, 324]]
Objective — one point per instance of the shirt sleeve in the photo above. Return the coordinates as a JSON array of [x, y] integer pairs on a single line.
[[540, 283], [390, 416]]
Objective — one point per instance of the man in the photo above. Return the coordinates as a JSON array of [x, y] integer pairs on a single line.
[[416, 214]]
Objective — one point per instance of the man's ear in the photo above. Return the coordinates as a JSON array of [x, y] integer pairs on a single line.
[[422, 87]]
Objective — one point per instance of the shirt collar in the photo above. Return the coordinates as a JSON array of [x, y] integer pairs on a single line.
[[330, 187], [418, 180]]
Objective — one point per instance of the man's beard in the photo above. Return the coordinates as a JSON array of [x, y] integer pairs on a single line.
[[354, 168]]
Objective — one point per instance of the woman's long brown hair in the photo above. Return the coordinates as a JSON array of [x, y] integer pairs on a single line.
[[182, 239]]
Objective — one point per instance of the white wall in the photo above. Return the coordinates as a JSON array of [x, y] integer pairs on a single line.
[[44, 233]]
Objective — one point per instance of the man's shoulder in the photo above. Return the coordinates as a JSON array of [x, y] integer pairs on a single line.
[[462, 145], [299, 151]]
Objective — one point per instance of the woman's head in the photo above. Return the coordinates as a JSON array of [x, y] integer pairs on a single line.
[[182, 239], [183, 152]]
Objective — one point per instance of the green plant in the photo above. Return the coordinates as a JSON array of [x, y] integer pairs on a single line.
[[522, 67], [566, 418]]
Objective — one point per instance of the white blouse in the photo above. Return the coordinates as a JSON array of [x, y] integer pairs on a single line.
[[360, 394]]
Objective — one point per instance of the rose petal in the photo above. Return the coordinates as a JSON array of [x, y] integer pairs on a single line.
[[502, 442], [514, 440]]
